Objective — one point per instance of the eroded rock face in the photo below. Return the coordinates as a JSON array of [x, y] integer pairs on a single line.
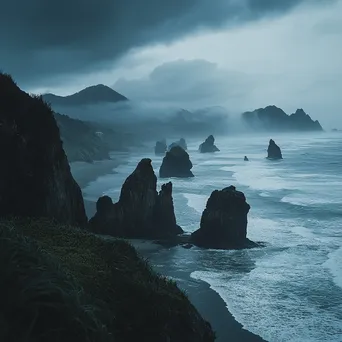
[[181, 142], [208, 145], [35, 177], [273, 151], [223, 221], [176, 163], [160, 147], [140, 212]]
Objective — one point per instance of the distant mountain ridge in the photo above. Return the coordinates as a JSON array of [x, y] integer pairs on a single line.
[[90, 95], [272, 117]]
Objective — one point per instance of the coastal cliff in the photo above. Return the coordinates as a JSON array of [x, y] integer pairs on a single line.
[[35, 177], [60, 282]]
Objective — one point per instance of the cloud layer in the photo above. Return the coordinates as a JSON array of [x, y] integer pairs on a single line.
[[52, 40], [187, 83]]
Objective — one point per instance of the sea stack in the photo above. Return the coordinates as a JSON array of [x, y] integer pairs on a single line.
[[208, 145], [35, 177], [181, 142], [176, 163], [224, 221], [273, 151], [160, 147], [141, 211]]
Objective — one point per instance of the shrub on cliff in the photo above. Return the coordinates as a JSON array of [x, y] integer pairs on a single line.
[[61, 284]]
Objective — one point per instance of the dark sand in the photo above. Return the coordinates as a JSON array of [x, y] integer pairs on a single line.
[[207, 301]]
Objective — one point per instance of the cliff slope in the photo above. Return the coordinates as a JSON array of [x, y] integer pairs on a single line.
[[84, 288], [35, 177]]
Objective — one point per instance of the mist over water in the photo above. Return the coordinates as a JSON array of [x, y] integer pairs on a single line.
[[290, 290]]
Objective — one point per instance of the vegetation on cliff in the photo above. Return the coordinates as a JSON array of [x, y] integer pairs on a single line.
[[61, 283]]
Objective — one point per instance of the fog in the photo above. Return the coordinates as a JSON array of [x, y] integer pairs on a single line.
[[290, 59]]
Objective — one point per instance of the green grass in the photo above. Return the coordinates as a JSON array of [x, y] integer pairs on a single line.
[[59, 283]]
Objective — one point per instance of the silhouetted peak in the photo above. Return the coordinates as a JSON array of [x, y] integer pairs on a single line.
[[300, 111], [99, 93]]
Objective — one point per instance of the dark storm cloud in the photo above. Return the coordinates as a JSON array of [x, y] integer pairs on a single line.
[[44, 38]]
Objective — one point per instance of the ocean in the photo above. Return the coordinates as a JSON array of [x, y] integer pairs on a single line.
[[291, 289]]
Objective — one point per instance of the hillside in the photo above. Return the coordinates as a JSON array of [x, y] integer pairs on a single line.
[[88, 96], [274, 118], [84, 288]]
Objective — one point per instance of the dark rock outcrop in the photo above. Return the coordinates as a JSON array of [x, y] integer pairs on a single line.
[[181, 142], [35, 177], [160, 147], [273, 151], [272, 118], [176, 163], [208, 145], [224, 221], [245, 158], [141, 211], [303, 122]]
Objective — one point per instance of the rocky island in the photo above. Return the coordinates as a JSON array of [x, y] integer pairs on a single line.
[[224, 221], [160, 147], [208, 146], [272, 118], [273, 151], [176, 163], [181, 142], [141, 211]]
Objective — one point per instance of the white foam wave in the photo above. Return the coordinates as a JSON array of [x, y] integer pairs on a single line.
[[264, 303], [197, 202], [258, 177], [308, 200], [265, 194], [334, 264]]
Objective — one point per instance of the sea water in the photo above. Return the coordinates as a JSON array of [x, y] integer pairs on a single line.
[[291, 289]]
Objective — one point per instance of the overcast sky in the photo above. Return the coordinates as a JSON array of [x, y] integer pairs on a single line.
[[242, 54]]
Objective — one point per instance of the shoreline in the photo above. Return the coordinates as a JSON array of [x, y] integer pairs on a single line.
[[206, 300], [85, 173]]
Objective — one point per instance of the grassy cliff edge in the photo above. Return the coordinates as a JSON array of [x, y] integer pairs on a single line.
[[62, 283]]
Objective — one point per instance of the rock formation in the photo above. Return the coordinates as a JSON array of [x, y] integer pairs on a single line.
[[273, 151], [181, 142], [176, 163], [224, 221], [160, 147], [272, 118], [141, 211], [245, 158], [208, 145], [35, 177]]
